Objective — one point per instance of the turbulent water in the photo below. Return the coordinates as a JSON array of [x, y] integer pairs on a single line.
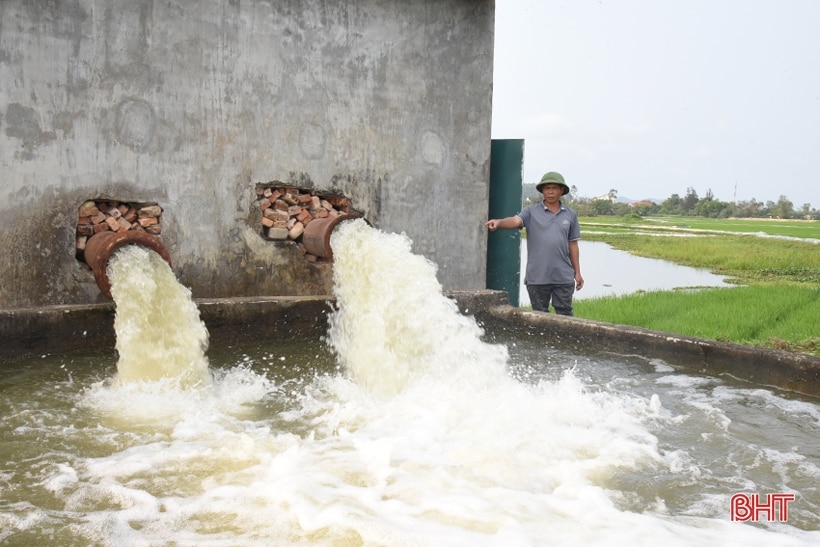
[[407, 425], [159, 333]]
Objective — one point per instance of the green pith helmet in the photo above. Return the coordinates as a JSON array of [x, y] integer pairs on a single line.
[[552, 178]]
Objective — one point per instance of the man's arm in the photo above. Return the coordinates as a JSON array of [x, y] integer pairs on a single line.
[[508, 223], [575, 260]]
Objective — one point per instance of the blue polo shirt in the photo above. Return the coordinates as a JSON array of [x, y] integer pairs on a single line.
[[548, 237]]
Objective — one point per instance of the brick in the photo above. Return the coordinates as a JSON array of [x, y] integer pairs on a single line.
[[304, 199], [154, 229], [101, 227], [297, 230], [315, 202], [264, 204], [267, 223], [85, 230], [88, 209], [149, 221], [130, 215], [294, 210], [271, 214], [150, 211], [112, 223], [98, 218], [113, 212], [124, 224], [280, 205], [277, 233]]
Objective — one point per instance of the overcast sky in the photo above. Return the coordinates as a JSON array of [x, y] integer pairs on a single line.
[[651, 97]]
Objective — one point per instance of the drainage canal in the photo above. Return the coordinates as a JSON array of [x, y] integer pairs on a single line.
[[406, 424]]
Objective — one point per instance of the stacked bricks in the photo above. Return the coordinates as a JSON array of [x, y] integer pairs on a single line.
[[100, 216], [287, 211]]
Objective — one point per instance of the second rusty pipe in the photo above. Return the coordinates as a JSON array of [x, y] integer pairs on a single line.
[[316, 237]]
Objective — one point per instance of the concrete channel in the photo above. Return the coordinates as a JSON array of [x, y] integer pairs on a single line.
[[66, 329]]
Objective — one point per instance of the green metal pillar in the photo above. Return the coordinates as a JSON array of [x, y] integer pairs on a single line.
[[504, 246]]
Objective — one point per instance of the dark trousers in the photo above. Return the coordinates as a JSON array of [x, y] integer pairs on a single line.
[[560, 295]]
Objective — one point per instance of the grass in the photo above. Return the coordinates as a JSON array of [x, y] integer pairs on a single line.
[[777, 302], [783, 228], [780, 317], [747, 258]]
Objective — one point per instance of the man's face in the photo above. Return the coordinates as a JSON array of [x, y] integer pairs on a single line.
[[552, 191]]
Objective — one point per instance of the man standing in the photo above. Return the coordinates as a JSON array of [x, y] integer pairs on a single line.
[[553, 263]]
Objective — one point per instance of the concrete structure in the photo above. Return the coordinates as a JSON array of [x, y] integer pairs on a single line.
[[67, 329], [191, 105]]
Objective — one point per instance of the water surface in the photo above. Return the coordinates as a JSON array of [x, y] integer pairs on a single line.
[[406, 425], [611, 272]]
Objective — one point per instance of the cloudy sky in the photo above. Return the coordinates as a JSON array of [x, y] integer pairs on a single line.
[[651, 97]]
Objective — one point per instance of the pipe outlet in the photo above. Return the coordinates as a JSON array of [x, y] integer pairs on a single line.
[[316, 237], [101, 247]]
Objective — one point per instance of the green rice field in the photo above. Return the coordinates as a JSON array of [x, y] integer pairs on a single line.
[[775, 265]]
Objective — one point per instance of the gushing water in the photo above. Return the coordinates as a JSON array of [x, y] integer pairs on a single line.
[[406, 428], [393, 326], [159, 332]]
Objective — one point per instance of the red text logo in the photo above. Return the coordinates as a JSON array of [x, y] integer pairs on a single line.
[[750, 507]]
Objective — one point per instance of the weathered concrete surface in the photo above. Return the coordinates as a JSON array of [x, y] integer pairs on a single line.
[[63, 329], [192, 104]]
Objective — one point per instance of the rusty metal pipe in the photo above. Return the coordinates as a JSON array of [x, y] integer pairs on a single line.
[[101, 247], [316, 237]]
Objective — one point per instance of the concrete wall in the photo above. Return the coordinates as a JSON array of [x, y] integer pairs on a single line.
[[29, 333], [192, 104]]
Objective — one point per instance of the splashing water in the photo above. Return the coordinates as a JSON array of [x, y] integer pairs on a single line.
[[393, 325], [159, 332]]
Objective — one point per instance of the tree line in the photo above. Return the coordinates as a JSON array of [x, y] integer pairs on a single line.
[[688, 205]]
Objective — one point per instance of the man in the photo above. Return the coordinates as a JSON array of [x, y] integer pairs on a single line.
[[553, 264]]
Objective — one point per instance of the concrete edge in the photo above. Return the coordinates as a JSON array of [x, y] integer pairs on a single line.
[[797, 372], [64, 329]]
